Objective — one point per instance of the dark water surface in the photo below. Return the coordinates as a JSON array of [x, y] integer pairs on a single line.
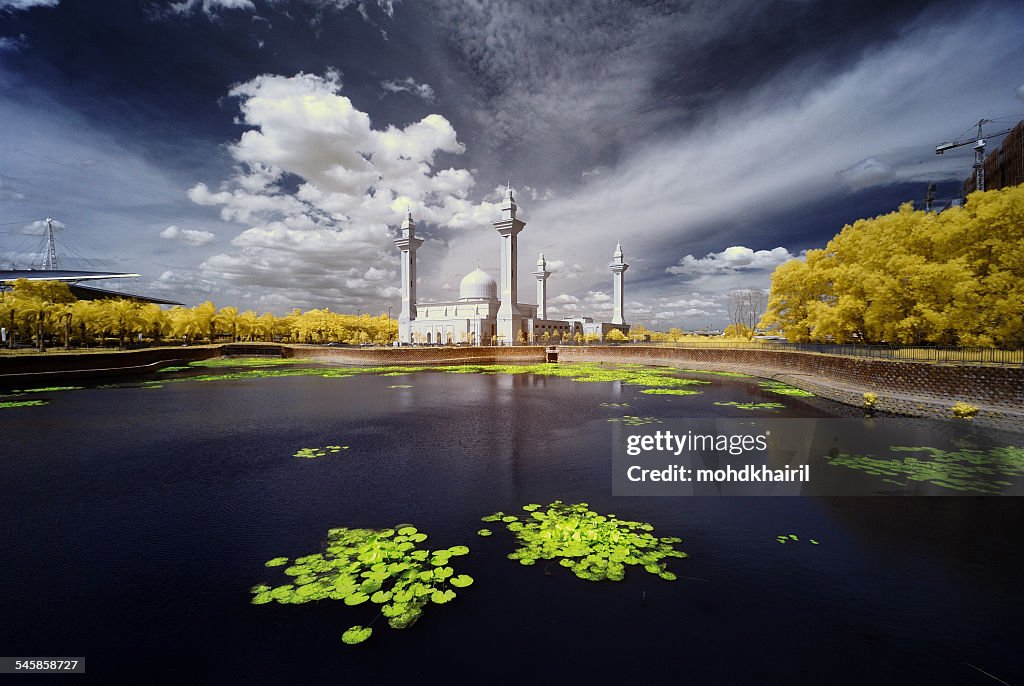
[[136, 519]]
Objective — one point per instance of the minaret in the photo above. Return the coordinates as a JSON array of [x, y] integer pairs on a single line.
[[508, 227], [408, 243], [618, 267], [542, 275]]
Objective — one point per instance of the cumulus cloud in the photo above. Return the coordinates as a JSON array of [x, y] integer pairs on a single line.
[[409, 85], [9, 194], [866, 173], [188, 236], [212, 7], [348, 181], [731, 259], [15, 5], [564, 270], [209, 7], [13, 43], [689, 303]]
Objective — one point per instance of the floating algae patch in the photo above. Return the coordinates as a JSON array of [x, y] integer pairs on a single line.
[[246, 362], [737, 375], [594, 547], [614, 404], [401, 385], [633, 420], [976, 471], [585, 372], [650, 377], [368, 566], [50, 389], [784, 389], [174, 369], [669, 391], [5, 404], [310, 453], [751, 406]]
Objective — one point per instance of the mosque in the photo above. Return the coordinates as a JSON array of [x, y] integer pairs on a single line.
[[480, 316]]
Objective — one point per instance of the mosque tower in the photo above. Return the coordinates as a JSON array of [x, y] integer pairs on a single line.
[[618, 267], [408, 243], [542, 275], [508, 227]]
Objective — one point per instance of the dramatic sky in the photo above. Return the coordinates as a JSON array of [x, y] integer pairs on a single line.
[[260, 153]]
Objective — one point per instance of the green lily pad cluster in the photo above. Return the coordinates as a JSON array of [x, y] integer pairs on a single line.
[[660, 380], [960, 470], [5, 404], [784, 389], [633, 420], [310, 453], [594, 547], [786, 538], [383, 567], [751, 406]]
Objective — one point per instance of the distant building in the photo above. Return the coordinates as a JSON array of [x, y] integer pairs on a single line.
[[1003, 166], [484, 314]]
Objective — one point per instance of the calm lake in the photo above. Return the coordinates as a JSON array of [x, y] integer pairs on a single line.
[[136, 518]]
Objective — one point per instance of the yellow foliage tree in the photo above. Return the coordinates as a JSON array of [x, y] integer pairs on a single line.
[[912, 277]]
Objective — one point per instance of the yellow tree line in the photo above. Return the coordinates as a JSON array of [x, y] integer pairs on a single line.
[[47, 311], [912, 277]]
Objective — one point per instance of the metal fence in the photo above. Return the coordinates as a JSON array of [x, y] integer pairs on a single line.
[[979, 356]]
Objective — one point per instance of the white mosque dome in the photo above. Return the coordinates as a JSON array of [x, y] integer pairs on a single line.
[[478, 285]]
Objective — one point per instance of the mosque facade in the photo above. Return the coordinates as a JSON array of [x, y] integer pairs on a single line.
[[489, 313]]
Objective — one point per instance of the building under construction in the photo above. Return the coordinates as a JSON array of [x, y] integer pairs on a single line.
[[1003, 166]]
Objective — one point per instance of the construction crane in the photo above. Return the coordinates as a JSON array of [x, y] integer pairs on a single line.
[[979, 151]]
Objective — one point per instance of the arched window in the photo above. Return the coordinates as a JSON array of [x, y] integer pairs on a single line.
[[428, 337]]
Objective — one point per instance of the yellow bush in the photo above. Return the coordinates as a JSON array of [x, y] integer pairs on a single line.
[[962, 410]]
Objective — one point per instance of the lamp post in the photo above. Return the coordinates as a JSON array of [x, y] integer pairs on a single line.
[[389, 324]]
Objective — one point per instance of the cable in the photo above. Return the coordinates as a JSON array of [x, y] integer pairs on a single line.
[[27, 221]]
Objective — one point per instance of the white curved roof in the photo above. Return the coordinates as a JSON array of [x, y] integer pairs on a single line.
[[478, 285]]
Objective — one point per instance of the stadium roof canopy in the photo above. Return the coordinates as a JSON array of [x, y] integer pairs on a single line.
[[11, 275], [7, 278], [90, 293]]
